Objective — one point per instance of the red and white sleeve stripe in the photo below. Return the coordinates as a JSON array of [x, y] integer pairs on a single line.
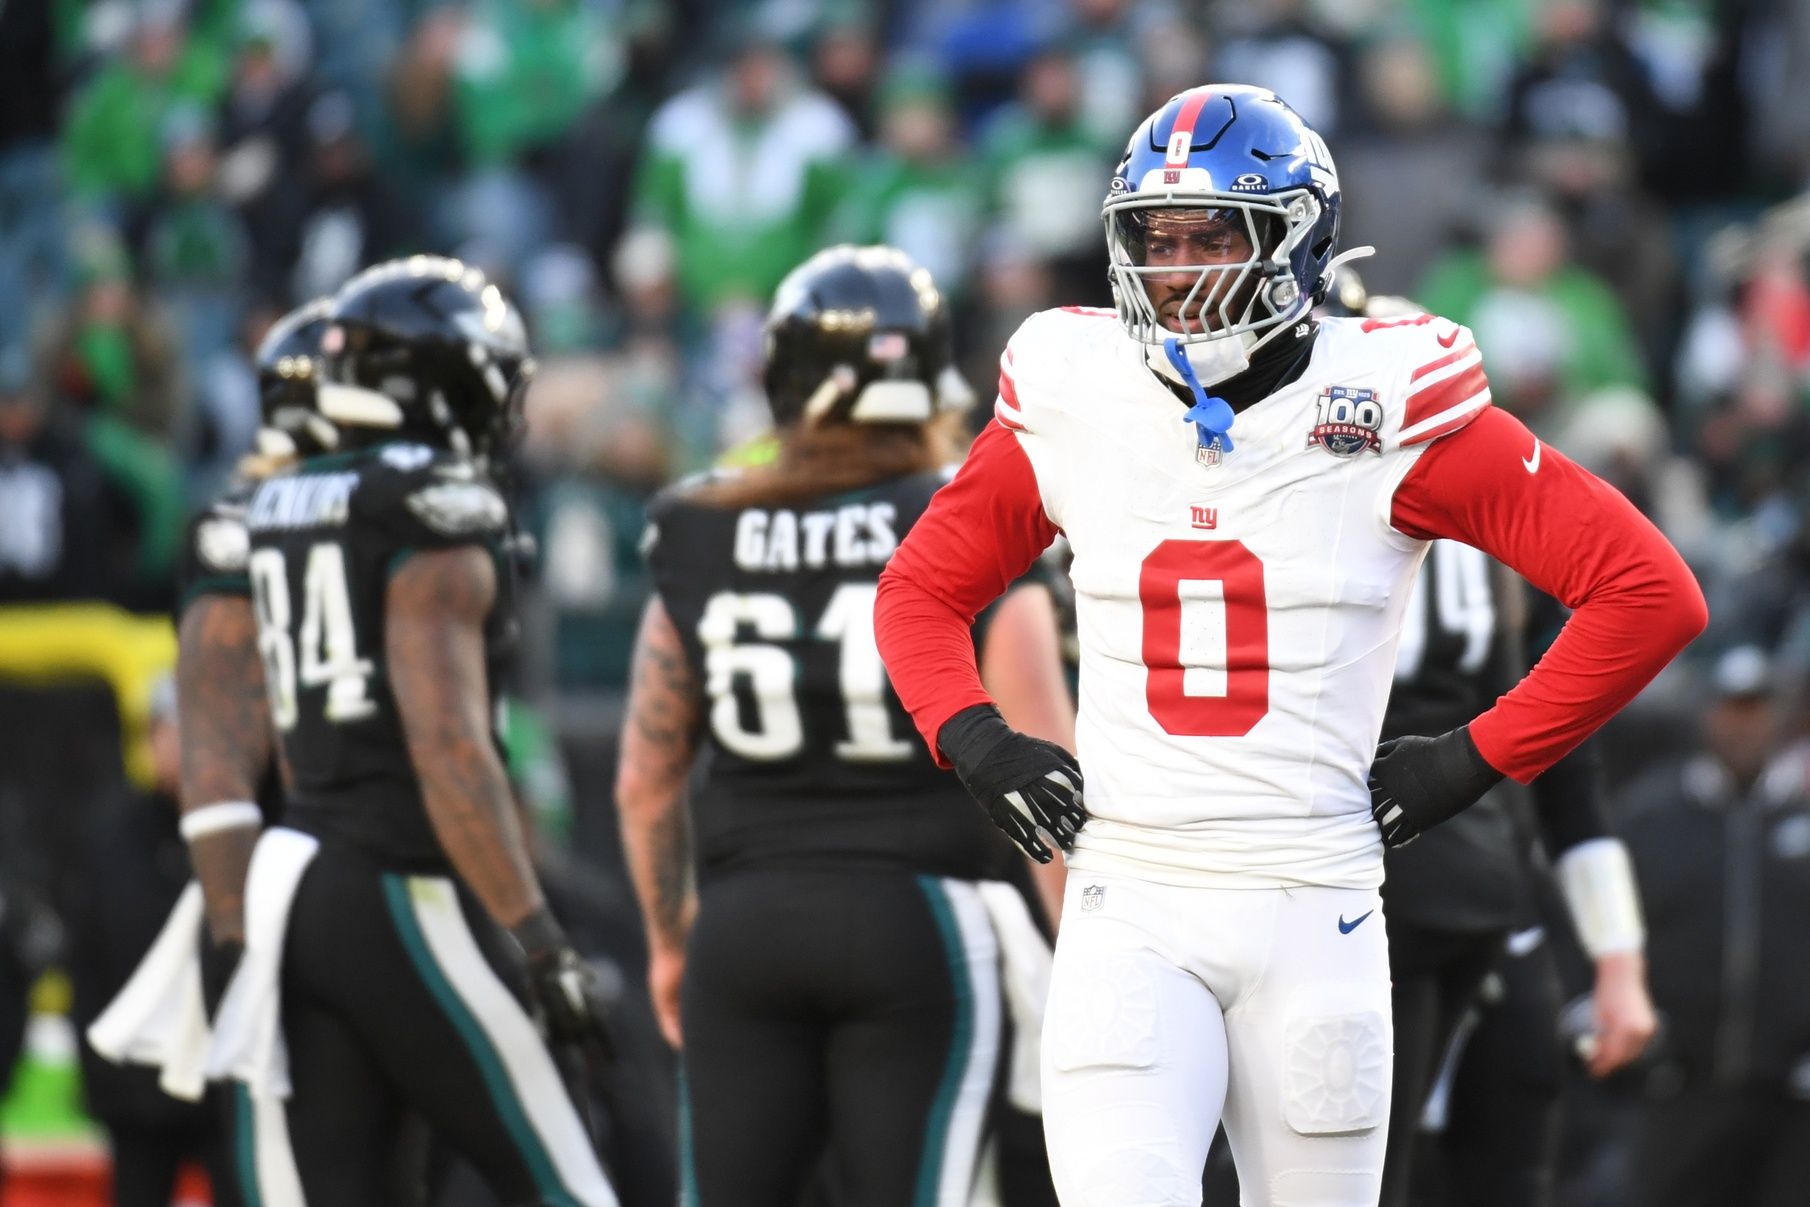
[[1445, 393], [1005, 408]]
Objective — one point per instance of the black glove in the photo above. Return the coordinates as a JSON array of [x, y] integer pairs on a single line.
[[1416, 783], [565, 989], [1023, 782]]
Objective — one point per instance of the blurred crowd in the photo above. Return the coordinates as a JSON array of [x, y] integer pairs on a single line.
[[1610, 194], [1614, 194]]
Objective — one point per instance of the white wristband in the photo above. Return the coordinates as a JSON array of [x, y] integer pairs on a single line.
[[224, 815], [1597, 878]]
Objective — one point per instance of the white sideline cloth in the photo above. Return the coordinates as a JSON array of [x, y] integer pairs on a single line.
[[248, 1029], [1024, 967], [158, 1017]]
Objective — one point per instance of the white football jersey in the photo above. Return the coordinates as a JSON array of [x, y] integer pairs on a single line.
[[1238, 613]]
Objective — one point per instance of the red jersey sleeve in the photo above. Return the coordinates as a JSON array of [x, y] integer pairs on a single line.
[[981, 532], [1493, 486]]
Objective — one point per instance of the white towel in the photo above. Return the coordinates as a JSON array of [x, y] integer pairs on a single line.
[[1024, 958], [248, 1029], [158, 1017]]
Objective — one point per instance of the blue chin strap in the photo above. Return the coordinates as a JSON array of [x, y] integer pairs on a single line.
[[1210, 415]]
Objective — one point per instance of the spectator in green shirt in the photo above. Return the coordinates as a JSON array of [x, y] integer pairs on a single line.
[[918, 190], [743, 173], [1552, 333], [525, 72], [112, 143], [1045, 167]]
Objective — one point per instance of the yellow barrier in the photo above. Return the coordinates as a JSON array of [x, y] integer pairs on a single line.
[[52, 642]]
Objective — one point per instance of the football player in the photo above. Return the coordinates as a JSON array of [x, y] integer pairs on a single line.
[[834, 977], [407, 936], [227, 741], [1249, 492]]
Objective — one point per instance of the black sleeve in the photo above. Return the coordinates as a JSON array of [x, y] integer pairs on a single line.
[[1569, 800], [215, 549]]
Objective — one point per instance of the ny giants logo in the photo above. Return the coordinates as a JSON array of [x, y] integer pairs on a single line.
[[1203, 517], [1348, 421]]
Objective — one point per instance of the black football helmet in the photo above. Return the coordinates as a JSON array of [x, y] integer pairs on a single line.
[[288, 364], [427, 348], [859, 335]]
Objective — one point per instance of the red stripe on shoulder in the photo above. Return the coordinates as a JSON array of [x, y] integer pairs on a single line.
[[1096, 311], [1444, 395], [999, 413], [1447, 428], [1433, 366]]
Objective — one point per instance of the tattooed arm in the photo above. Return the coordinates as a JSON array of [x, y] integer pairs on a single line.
[[434, 646], [659, 740], [225, 727]]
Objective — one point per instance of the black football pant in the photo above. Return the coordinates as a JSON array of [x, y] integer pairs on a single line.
[[1498, 1146], [854, 1011], [147, 1157], [400, 998], [1712, 1147], [1436, 975]]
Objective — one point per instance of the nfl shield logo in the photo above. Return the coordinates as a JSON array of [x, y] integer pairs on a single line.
[[1093, 896]]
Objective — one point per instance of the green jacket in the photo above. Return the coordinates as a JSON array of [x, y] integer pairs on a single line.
[[1601, 350], [113, 139]]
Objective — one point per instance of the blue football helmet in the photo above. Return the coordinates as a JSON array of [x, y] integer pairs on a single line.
[[1237, 160]]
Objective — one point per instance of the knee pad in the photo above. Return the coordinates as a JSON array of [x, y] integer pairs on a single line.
[[1109, 1019], [1336, 1072]]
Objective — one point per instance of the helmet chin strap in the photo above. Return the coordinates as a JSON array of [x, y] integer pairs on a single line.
[[1210, 415]]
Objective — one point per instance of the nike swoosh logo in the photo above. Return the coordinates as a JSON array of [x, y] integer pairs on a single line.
[[1346, 928], [1533, 463], [1446, 341]]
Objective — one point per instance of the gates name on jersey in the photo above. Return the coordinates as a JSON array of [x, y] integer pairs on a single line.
[[1249, 639], [853, 534]]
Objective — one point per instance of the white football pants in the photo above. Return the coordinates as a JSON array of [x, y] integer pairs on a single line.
[[1172, 1006]]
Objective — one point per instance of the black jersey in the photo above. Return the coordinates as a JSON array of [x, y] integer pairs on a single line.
[[1459, 650], [808, 755], [215, 547], [325, 539]]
